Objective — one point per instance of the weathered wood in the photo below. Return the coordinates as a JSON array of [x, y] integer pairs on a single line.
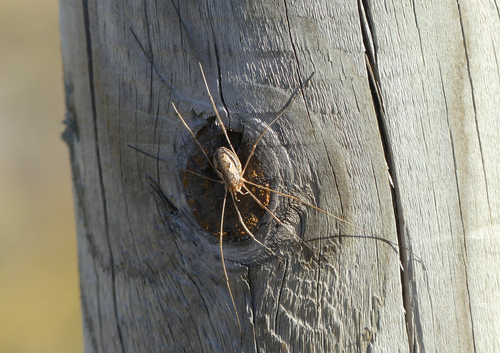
[[425, 105], [442, 119]]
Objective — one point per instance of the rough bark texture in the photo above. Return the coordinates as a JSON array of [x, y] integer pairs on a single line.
[[412, 87]]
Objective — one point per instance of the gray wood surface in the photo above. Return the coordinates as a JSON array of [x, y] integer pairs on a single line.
[[404, 93]]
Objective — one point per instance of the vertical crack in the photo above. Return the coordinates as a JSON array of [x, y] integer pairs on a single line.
[[374, 79], [86, 19]]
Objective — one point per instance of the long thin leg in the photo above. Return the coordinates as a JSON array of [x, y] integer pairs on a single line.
[[222, 257], [192, 134], [182, 169], [309, 205], [371, 235], [280, 114], [392, 244], [248, 230], [275, 217], [262, 205], [219, 120], [200, 175], [147, 154], [170, 91]]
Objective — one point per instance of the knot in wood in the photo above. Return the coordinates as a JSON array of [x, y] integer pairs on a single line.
[[228, 167], [205, 196]]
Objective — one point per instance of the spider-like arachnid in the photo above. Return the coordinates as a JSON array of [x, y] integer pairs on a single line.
[[244, 186]]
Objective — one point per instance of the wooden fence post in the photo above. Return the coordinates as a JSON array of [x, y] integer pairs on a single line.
[[397, 133]]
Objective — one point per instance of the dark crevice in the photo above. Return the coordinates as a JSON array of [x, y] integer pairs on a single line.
[[86, 19], [374, 81], [475, 111], [283, 279], [291, 40], [498, 10], [337, 188], [418, 32], [158, 145], [168, 208], [296, 58], [92, 96], [219, 86], [367, 30], [217, 61], [150, 47], [219, 75]]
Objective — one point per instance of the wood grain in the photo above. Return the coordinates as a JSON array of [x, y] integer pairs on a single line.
[[409, 87]]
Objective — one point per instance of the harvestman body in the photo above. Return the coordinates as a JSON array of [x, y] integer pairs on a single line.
[[228, 167]]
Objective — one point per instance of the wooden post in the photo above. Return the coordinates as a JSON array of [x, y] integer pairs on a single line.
[[396, 133]]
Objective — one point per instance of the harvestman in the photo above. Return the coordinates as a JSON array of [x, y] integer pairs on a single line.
[[228, 167]]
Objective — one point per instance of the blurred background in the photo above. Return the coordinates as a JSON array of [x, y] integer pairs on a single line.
[[39, 289]]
